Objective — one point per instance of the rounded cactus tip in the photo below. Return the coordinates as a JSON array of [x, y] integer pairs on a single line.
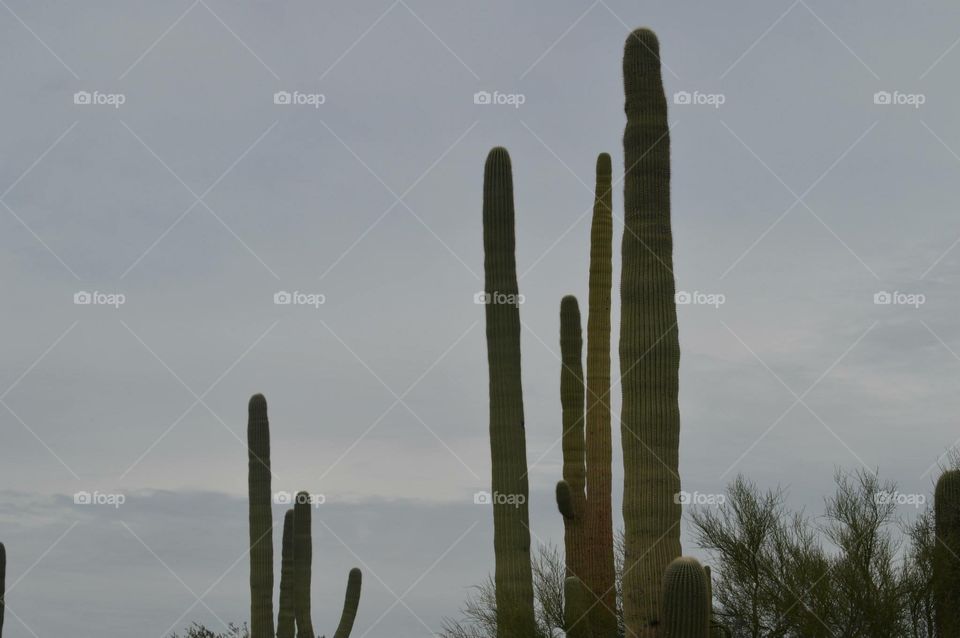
[[564, 499], [643, 38], [355, 574], [569, 304], [604, 164], [498, 157], [258, 402], [641, 53]]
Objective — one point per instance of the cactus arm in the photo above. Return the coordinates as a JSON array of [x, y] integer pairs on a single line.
[[350, 604], [686, 600], [512, 575], [649, 345], [261, 519], [303, 561], [286, 619]]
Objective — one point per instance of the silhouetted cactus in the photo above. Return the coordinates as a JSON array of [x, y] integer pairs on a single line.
[[649, 346], [3, 584], [686, 600], [946, 564], [303, 564], [575, 608], [350, 603], [261, 519], [286, 619], [512, 576]]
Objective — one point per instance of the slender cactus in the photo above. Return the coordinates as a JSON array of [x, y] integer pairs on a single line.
[[649, 346], [946, 565], [513, 575], [261, 519], [575, 608], [286, 619], [303, 564], [686, 600], [3, 584], [350, 603]]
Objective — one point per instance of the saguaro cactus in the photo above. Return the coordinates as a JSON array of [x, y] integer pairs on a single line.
[[286, 618], [261, 519], [303, 564], [3, 584], [350, 603], [649, 346], [513, 575], [946, 565], [686, 600]]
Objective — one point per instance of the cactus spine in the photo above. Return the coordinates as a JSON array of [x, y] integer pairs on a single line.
[[513, 575], [686, 600], [946, 566], [303, 563], [649, 346], [261, 519], [286, 619]]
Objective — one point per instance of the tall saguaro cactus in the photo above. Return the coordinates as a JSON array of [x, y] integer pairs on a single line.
[[3, 584], [513, 575], [649, 345], [686, 600], [946, 565], [350, 603], [286, 618], [261, 519], [303, 564]]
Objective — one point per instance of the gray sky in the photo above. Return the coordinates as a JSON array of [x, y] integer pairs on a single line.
[[199, 198]]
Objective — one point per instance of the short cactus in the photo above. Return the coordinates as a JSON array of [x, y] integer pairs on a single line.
[[513, 576], [685, 609], [576, 607], [350, 603], [286, 619], [303, 564], [3, 584], [946, 565], [261, 519]]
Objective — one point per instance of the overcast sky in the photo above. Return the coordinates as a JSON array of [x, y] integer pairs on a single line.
[[185, 188]]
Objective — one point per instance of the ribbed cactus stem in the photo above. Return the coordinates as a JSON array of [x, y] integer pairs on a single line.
[[649, 346], [513, 575], [600, 576], [286, 619], [303, 561], [3, 584], [576, 604], [946, 565], [686, 602], [572, 488], [350, 604], [261, 519]]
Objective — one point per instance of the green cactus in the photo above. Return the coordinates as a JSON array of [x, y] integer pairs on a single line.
[[686, 600], [946, 565], [303, 564], [575, 608], [649, 346], [286, 619], [513, 575], [261, 519], [350, 603], [3, 584]]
